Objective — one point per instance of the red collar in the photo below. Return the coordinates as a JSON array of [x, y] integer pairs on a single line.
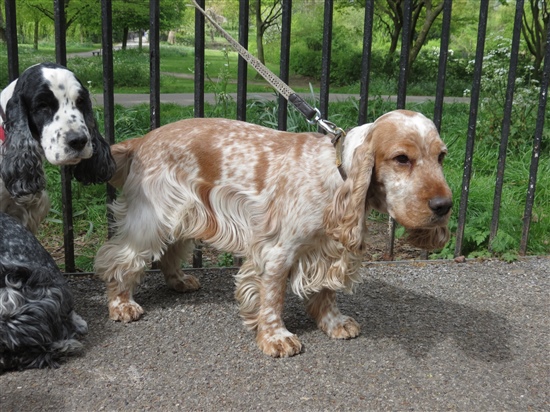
[[2, 134]]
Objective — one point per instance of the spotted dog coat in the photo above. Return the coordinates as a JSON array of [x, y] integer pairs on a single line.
[[48, 114], [277, 199]]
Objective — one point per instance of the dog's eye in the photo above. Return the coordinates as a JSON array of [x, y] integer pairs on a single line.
[[402, 159], [441, 157], [80, 101]]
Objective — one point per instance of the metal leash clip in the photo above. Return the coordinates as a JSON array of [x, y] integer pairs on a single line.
[[337, 133]]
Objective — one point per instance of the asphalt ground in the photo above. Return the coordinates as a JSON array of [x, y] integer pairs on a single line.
[[438, 336]]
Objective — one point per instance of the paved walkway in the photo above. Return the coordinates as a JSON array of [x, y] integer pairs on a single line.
[[435, 337], [187, 99]]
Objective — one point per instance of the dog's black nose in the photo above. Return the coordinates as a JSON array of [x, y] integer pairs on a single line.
[[440, 205], [76, 140]]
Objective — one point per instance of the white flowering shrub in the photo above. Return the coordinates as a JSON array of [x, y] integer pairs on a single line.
[[496, 66]]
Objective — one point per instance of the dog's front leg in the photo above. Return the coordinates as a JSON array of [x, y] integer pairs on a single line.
[[122, 306], [322, 307], [272, 336], [122, 273], [261, 300]]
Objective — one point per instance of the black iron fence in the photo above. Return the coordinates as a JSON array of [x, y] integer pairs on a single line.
[[241, 100]]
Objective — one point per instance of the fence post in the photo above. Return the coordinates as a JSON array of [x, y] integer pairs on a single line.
[[242, 65], [285, 61], [506, 120], [365, 62], [468, 157], [66, 174], [11, 40], [537, 140]]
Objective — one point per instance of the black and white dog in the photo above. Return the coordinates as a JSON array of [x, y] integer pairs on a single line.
[[46, 113], [38, 324]]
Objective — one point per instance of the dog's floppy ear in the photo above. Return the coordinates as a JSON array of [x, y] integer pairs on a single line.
[[100, 167], [344, 218], [21, 168]]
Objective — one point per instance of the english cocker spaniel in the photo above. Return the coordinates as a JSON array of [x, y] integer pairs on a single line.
[[277, 199], [47, 113], [38, 324]]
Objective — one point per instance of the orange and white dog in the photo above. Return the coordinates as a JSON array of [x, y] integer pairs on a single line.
[[277, 199]]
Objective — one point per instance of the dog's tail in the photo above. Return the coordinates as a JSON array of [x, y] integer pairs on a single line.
[[123, 153]]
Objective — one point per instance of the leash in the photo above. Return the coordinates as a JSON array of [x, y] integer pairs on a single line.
[[313, 115]]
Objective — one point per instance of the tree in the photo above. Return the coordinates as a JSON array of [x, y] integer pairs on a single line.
[[134, 15], [392, 16], [534, 30], [73, 8], [32, 14], [265, 18]]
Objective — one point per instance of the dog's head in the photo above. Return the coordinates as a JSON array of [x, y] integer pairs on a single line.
[[394, 165], [49, 114]]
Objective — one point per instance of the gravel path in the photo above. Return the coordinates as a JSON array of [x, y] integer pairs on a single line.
[[435, 336]]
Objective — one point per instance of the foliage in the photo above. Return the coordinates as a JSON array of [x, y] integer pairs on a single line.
[[524, 110], [307, 44], [219, 86]]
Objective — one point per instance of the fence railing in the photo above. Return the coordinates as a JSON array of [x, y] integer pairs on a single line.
[[241, 100]]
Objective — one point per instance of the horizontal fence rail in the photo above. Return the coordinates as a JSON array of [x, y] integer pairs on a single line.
[[363, 92]]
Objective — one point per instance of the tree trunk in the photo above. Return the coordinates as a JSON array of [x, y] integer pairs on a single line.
[[394, 40], [431, 15], [125, 37], [35, 35], [259, 32]]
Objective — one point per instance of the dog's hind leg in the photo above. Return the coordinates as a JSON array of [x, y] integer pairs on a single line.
[[170, 266], [322, 307]]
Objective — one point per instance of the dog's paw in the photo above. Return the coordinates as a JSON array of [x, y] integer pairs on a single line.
[[344, 327], [182, 282], [125, 311], [279, 343]]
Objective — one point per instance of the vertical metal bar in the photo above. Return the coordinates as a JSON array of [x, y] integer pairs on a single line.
[[242, 66], [474, 101], [365, 62], [535, 156], [242, 75], [325, 60], [60, 32], [506, 120], [108, 93], [154, 62], [66, 175], [199, 61], [401, 95], [11, 39], [199, 93], [404, 57], [285, 60], [442, 69]]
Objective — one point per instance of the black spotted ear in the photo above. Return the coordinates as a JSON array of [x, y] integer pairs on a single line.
[[101, 166], [21, 168]]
